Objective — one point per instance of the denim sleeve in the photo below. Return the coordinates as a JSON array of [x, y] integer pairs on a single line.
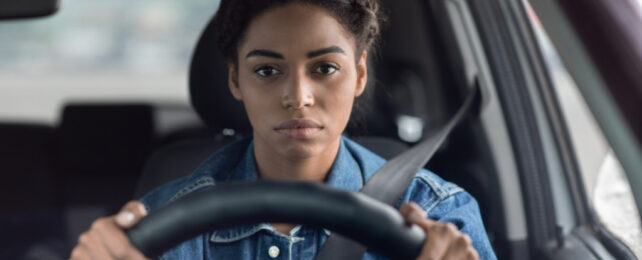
[[462, 210]]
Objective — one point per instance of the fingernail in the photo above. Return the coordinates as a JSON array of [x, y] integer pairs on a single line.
[[125, 217]]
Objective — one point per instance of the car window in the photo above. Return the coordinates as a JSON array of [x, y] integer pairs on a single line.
[[639, 6], [114, 50], [605, 183]]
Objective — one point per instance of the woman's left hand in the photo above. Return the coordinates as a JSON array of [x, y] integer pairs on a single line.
[[444, 240]]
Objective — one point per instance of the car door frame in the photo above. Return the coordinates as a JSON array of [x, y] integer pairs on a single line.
[[604, 55], [520, 79], [600, 43]]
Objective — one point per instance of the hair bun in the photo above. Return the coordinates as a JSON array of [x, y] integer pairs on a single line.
[[370, 8], [371, 5]]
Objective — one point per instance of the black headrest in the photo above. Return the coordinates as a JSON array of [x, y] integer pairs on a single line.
[[208, 87], [105, 138]]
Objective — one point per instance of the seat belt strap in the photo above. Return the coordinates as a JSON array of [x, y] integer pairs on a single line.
[[391, 180]]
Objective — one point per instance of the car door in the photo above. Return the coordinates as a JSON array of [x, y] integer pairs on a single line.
[[600, 48], [550, 213]]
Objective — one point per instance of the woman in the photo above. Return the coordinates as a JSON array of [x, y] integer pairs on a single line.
[[297, 66]]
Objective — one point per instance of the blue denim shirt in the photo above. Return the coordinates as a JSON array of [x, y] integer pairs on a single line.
[[354, 165]]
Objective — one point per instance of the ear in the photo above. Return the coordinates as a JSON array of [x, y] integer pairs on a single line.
[[233, 81], [362, 74]]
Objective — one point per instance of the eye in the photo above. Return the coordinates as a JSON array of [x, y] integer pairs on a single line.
[[326, 69], [266, 71]]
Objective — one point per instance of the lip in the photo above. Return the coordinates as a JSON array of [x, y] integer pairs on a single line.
[[299, 129]]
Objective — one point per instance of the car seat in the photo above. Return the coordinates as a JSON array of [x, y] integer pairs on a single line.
[[28, 217], [27, 167], [101, 151]]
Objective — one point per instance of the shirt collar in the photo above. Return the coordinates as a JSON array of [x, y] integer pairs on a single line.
[[246, 169], [344, 174]]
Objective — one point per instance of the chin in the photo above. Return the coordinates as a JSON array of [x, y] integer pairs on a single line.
[[300, 149]]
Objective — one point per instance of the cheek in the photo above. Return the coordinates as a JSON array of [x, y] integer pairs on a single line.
[[258, 103], [340, 99], [339, 113]]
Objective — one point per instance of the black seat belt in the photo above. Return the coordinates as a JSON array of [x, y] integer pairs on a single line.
[[391, 180]]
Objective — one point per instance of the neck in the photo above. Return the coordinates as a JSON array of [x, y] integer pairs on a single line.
[[274, 165]]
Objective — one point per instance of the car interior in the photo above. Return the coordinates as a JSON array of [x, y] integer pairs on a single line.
[[103, 154]]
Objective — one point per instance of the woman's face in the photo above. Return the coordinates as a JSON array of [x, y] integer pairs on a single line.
[[297, 78]]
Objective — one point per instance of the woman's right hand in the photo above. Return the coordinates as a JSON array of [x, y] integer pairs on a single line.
[[106, 238], [448, 243]]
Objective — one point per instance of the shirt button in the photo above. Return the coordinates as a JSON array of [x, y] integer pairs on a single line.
[[273, 251]]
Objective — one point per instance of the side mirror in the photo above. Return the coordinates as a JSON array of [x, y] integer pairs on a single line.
[[16, 9]]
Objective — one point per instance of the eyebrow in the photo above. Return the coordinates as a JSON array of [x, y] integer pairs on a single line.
[[265, 53], [312, 54], [327, 50]]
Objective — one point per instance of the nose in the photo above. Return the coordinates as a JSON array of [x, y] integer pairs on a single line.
[[297, 93]]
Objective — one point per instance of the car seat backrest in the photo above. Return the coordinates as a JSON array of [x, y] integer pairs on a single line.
[[26, 167], [101, 149], [110, 139], [208, 85], [176, 160]]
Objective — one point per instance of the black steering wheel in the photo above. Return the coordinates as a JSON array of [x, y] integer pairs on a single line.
[[354, 215]]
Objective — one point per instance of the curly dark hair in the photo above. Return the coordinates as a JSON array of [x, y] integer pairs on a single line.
[[360, 17]]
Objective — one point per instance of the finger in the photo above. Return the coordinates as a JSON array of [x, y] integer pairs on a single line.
[[461, 248], [114, 240], [405, 209], [130, 214], [90, 247], [97, 250], [410, 206], [79, 253], [440, 236], [413, 214]]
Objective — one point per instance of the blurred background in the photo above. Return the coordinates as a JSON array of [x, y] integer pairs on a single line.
[[105, 49]]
